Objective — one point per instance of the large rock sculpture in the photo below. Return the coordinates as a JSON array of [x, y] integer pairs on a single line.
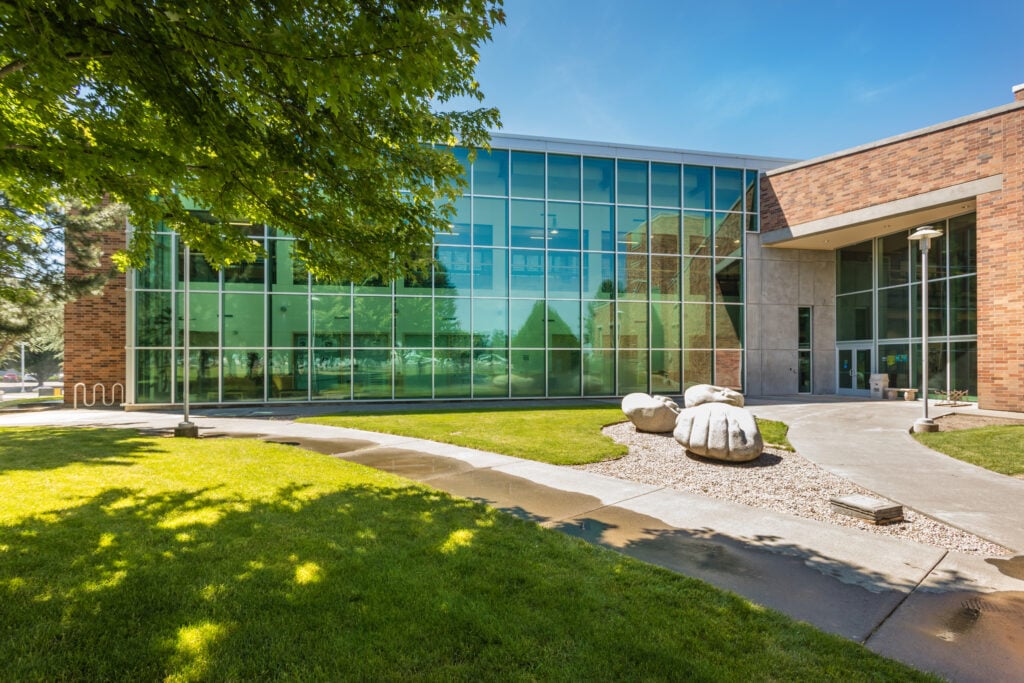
[[719, 430], [700, 394], [650, 413]]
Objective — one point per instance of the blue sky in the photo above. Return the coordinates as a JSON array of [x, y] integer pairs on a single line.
[[772, 78]]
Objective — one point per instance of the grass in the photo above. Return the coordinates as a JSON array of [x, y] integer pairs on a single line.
[[568, 435], [563, 435], [140, 558], [15, 402], [1000, 449]]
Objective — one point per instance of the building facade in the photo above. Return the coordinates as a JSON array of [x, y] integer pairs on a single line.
[[582, 269]]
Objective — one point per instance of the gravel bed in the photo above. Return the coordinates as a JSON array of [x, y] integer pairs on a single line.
[[778, 480]]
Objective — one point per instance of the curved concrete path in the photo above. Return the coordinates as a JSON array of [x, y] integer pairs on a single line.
[[959, 616], [868, 442]]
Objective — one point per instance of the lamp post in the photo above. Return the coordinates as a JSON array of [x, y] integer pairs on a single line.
[[924, 235], [23, 345], [186, 428]]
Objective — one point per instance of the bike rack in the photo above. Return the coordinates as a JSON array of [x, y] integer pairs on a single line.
[[102, 392]]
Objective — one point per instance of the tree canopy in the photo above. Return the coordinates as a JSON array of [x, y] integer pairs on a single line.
[[323, 118]]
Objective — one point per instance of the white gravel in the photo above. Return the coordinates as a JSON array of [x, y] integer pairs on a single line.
[[778, 480]]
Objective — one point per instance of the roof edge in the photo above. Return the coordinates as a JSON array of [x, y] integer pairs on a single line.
[[995, 111]]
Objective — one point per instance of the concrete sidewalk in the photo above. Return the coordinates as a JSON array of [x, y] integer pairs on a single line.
[[956, 615], [868, 442]]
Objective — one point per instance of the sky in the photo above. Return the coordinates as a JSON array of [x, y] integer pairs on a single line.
[[776, 78]]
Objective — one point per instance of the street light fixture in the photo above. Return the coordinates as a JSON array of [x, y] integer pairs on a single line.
[[925, 234], [186, 428]]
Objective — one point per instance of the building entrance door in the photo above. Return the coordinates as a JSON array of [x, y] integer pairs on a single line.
[[854, 368]]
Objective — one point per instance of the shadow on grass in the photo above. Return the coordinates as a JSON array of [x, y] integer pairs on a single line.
[[363, 582], [45, 448]]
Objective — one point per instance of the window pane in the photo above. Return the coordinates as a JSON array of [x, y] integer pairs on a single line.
[[936, 308], [414, 319], [371, 374], [563, 373], [631, 325], [728, 327], [288, 322], [371, 322], [527, 376], [753, 191], [599, 373], [963, 249], [453, 376], [631, 232], [697, 326], [332, 321], [894, 360], [246, 277], [153, 376], [202, 276], [563, 275], [666, 330], [729, 281], [204, 319], [527, 174], [894, 260], [665, 231], [490, 172], [598, 276], [490, 323], [697, 233], [527, 224], [696, 367], [564, 324], [728, 235], [461, 155], [490, 272], [598, 180], [153, 319], [157, 272], [490, 222], [853, 268], [598, 228], [287, 274], [563, 177], [289, 375], [665, 180], [963, 305], [460, 225], [666, 372], [452, 276], [632, 182], [853, 316], [632, 371], [563, 225], [893, 313], [332, 374], [244, 319], [599, 324], [665, 278], [632, 276], [804, 327], [729, 369], [451, 323], [963, 367], [697, 279], [244, 371], [527, 273], [526, 324], [696, 187], [728, 189], [936, 257], [490, 373]]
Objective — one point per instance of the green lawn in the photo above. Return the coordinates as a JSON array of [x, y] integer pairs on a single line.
[[139, 558], [1000, 449], [561, 435]]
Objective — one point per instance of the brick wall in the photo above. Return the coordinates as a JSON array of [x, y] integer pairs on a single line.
[[975, 149], [94, 334]]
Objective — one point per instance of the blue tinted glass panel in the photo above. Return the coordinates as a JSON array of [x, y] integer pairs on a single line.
[[598, 227], [697, 187], [452, 274], [527, 273], [728, 189], [563, 177], [490, 272], [527, 224], [527, 175], [563, 225], [598, 180], [632, 276], [598, 276], [563, 275], [665, 184], [459, 222], [632, 182], [631, 233], [461, 155], [490, 172], [753, 191], [490, 222]]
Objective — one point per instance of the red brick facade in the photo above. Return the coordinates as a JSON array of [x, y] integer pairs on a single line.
[[94, 337], [984, 146]]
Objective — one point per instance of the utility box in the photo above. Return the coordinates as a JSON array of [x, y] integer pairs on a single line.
[[879, 384]]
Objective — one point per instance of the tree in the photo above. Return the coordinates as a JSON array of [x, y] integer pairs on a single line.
[[322, 118], [44, 351], [34, 278]]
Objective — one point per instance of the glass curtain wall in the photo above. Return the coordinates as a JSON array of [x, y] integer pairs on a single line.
[[563, 275], [879, 301]]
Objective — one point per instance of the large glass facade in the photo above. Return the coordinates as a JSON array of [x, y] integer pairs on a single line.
[[878, 303], [565, 274]]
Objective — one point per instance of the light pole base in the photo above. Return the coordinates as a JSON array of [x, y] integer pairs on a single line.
[[925, 424], [187, 429]]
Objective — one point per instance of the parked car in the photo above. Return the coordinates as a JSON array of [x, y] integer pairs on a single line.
[[10, 376]]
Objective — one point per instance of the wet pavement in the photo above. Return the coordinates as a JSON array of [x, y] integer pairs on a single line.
[[959, 616]]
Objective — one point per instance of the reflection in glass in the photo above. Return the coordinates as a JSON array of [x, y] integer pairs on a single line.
[[697, 326], [729, 281], [527, 224], [490, 323], [729, 369], [244, 371], [414, 319], [563, 225], [288, 320], [665, 278], [853, 268], [289, 375], [371, 373], [527, 175], [459, 224], [853, 317], [490, 172], [156, 274], [332, 374], [332, 321], [527, 375], [204, 320], [697, 233], [893, 313], [632, 276], [728, 235], [598, 180], [632, 371], [894, 260], [665, 237], [665, 179], [666, 326], [452, 323], [563, 324], [490, 272], [452, 274], [728, 189], [563, 372], [666, 372], [490, 222], [371, 321], [599, 373], [153, 319], [526, 323], [696, 367], [153, 376], [632, 182], [563, 177], [728, 327], [696, 187], [599, 324], [697, 279], [631, 232], [563, 275], [453, 374], [527, 273], [598, 228], [490, 373], [631, 324]]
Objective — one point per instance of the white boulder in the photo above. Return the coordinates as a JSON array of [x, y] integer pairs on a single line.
[[650, 413], [700, 394], [720, 431]]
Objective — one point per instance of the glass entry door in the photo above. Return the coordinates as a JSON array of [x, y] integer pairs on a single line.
[[854, 367]]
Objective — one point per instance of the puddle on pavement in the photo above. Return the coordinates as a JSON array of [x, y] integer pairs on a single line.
[[325, 446], [410, 464]]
